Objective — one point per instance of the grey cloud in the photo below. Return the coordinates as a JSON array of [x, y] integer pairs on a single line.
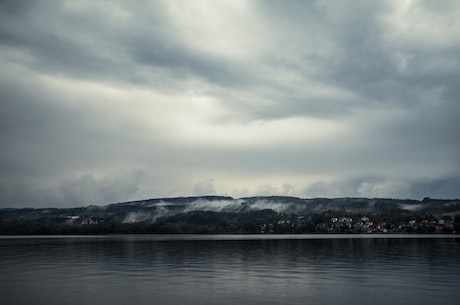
[[52, 50], [82, 190], [365, 186], [183, 64], [445, 188], [338, 61], [65, 42], [382, 187], [41, 132], [357, 58], [204, 188], [99, 190], [81, 44]]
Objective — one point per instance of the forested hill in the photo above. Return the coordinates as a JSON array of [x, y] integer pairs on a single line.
[[220, 214]]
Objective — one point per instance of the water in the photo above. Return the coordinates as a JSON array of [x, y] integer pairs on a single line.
[[230, 269]]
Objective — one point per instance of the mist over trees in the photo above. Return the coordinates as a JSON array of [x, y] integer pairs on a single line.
[[253, 215]]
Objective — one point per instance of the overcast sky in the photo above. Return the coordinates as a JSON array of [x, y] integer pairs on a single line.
[[109, 101]]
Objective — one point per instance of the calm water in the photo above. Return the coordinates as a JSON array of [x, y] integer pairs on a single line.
[[230, 270]]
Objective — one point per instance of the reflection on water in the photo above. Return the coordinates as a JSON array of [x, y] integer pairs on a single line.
[[229, 270]]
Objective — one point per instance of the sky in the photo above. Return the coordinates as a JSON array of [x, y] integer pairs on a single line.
[[112, 101]]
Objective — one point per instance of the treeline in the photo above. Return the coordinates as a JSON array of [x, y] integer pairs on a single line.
[[196, 222], [252, 222]]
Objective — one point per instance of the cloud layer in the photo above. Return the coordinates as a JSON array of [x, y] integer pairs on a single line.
[[111, 101]]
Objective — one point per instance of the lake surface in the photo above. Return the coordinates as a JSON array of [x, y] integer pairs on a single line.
[[230, 269]]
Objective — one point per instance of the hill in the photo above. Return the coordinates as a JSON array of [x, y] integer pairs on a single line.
[[221, 214]]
